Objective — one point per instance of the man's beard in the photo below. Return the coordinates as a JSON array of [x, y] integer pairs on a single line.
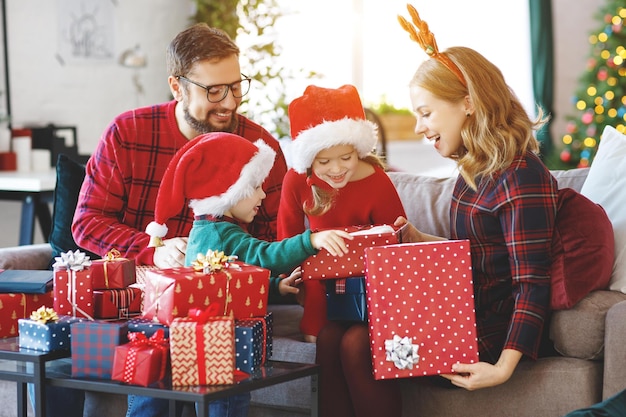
[[202, 127]]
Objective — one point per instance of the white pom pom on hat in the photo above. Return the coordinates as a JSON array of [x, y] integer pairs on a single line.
[[325, 117], [214, 171]]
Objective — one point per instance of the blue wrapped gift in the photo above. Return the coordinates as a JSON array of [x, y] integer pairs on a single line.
[[46, 336], [346, 300], [147, 327], [93, 347], [253, 342]]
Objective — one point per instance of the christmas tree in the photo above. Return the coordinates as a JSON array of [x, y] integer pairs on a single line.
[[600, 99]]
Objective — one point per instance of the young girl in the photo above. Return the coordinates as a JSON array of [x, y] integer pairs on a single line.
[[220, 176], [335, 180], [504, 202]]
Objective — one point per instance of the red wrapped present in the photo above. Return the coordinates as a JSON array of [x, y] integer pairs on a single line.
[[323, 265], [143, 360], [93, 346], [118, 303], [420, 302], [203, 348], [73, 294], [240, 289], [112, 272], [15, 306]]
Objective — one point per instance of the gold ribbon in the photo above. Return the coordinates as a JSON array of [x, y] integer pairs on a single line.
[[44, 315]]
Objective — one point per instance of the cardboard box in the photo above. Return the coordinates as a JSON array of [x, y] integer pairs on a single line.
[[420, 308]]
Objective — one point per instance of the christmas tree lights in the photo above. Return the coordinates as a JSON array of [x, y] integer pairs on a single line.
[[600, 99]]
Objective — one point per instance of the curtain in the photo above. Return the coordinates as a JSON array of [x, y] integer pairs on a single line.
[[542, 58]]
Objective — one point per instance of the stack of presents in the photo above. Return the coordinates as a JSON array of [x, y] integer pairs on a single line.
[[202, 325], [208, 324]]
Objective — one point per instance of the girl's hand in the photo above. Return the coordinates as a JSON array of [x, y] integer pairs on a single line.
[[290, 284], [332, 241]]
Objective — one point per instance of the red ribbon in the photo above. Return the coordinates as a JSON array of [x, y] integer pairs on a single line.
[[201, 317], [138, 341]]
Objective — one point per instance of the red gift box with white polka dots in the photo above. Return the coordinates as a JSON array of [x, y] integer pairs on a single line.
[[420, 302], [323, 265]]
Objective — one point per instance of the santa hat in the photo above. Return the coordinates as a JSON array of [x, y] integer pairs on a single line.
[[325, 117], [215, 171]]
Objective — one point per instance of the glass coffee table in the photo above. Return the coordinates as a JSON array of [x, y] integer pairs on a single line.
[[271, 373]]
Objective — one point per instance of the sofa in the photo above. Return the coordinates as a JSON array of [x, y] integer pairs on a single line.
[[588, 363]]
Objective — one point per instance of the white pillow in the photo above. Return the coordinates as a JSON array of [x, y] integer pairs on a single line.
[[606, 186]]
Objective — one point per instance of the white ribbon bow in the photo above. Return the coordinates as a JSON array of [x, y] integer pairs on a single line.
[[72, 261], [401, 352]]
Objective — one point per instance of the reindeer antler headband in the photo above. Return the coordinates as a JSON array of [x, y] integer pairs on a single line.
[[420, 33]]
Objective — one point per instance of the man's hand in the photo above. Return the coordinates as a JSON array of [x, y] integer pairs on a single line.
[[171, 254]]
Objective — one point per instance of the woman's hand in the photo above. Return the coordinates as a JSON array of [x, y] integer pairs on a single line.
[[171, 254], [410, 234], [478, 375]]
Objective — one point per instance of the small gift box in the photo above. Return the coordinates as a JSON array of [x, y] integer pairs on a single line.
[[147, 326], [420, 302], [73, 294], [16, 306], [323, 265], [143, 360], [112, 272], [203, 348], [253, 336], [119, 303], [235, 287], [45, 331], [345, 299], [25, 281], [93, 347]]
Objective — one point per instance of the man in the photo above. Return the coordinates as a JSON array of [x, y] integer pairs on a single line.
[[118, 196]]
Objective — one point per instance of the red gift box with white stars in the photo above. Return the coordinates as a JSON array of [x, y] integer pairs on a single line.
[[323, 265], [420, 302]]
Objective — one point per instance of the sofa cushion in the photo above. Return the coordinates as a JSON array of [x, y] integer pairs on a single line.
[[605, 185], [578, 332], [70, 175], [574, 273]]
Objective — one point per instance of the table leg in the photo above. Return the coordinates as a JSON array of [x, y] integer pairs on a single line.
[[27, 222], [39, 376], [314, 396], [22, 400]]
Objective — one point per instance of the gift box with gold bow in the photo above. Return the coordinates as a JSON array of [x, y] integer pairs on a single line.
[[112, 272], [45, 331], [203, 348], [237, 288], [141, 361], [420, 303]]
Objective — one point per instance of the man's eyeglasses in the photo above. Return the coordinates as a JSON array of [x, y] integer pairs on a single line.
[[218, 92]]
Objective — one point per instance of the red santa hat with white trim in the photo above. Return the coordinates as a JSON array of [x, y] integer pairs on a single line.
[[214, 171], [325, 117]]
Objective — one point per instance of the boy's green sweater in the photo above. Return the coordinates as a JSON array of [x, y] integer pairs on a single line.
[[279, 257]]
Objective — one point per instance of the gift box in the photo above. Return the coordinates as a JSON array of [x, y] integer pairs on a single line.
[[25, 281], [112, 272], [202, 349], [45, 331], [119, 303], [143, 360], [420, 302], [323, 265], [17, 306], [93, 346], [253, 342], [147, 326], [73, 294], [345, 299], [240, 289]]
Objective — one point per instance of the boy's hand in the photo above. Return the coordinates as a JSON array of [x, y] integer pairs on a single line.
[[332, 241]]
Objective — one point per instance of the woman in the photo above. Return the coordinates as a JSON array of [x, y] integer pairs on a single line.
[[504, 202]]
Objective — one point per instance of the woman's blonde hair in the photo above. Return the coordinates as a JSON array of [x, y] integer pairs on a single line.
[[498, 129], [324, 198]]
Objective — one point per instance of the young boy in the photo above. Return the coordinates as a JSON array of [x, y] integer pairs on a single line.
[[221, 176]]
